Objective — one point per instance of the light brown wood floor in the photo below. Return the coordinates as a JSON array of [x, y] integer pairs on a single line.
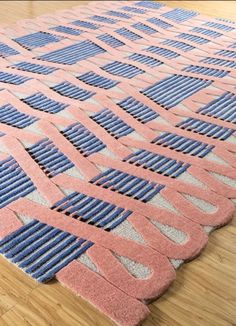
[[204, 293]]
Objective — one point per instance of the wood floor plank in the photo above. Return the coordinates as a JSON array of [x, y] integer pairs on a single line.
[[51, 304], [204, 293], [13, 287]]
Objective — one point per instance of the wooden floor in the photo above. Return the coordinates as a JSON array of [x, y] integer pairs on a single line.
[[204, 293]]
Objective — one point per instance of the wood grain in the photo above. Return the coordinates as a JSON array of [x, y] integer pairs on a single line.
[[204, 293]]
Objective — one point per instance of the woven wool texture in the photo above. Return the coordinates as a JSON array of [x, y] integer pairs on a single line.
[[117, 147]]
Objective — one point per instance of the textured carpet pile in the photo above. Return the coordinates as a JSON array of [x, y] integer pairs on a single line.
[[117, 147]]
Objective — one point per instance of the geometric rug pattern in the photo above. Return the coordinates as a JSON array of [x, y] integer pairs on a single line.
[[117, 147]]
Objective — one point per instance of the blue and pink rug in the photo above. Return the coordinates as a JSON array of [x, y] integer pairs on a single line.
[[117, 147]]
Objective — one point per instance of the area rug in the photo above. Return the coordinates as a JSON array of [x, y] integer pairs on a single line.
[[117, 147]]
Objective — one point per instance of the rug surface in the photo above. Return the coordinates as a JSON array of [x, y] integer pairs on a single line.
[[117, 147]]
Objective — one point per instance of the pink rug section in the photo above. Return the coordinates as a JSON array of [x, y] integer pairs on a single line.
[[117, 147]]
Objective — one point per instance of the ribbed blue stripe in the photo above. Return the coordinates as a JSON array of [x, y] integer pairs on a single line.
[[171, 90], [34, 68], [112, 123], [122, 69], [93, 79], [36, 40], [82, 139], [71, 54], [72, 91], [127, 184], [183, 144], [88, 209], [206, 128], [49, 158], [14, 183], [157, 163]]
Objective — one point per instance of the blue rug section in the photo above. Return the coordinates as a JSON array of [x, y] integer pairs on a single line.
[[36, 40], [159, 22], [14, 183], [131, 36], [82, 139], [72, 91], [96, 80], [206, 31], [223, 107], [219, 26], [49, 158], [110, 40], [112, 123], [138, 110], [92, 211], [67, 30], [39, 101], [206, 71], [12, 117], [41, 250], [133, 9], [102, 19], [149, 4], [157, 163], [127, 184], [166, 53], [71, 54], [144, 28], [7, 51], [118, 14], [34, 68], [185, 47], [172, 90], [221, 62], [192, 38], [179, 15], [145, 59], [14, 79], [85, 24], [183, 144], [226, 53], [206, 128], [125, 70]]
